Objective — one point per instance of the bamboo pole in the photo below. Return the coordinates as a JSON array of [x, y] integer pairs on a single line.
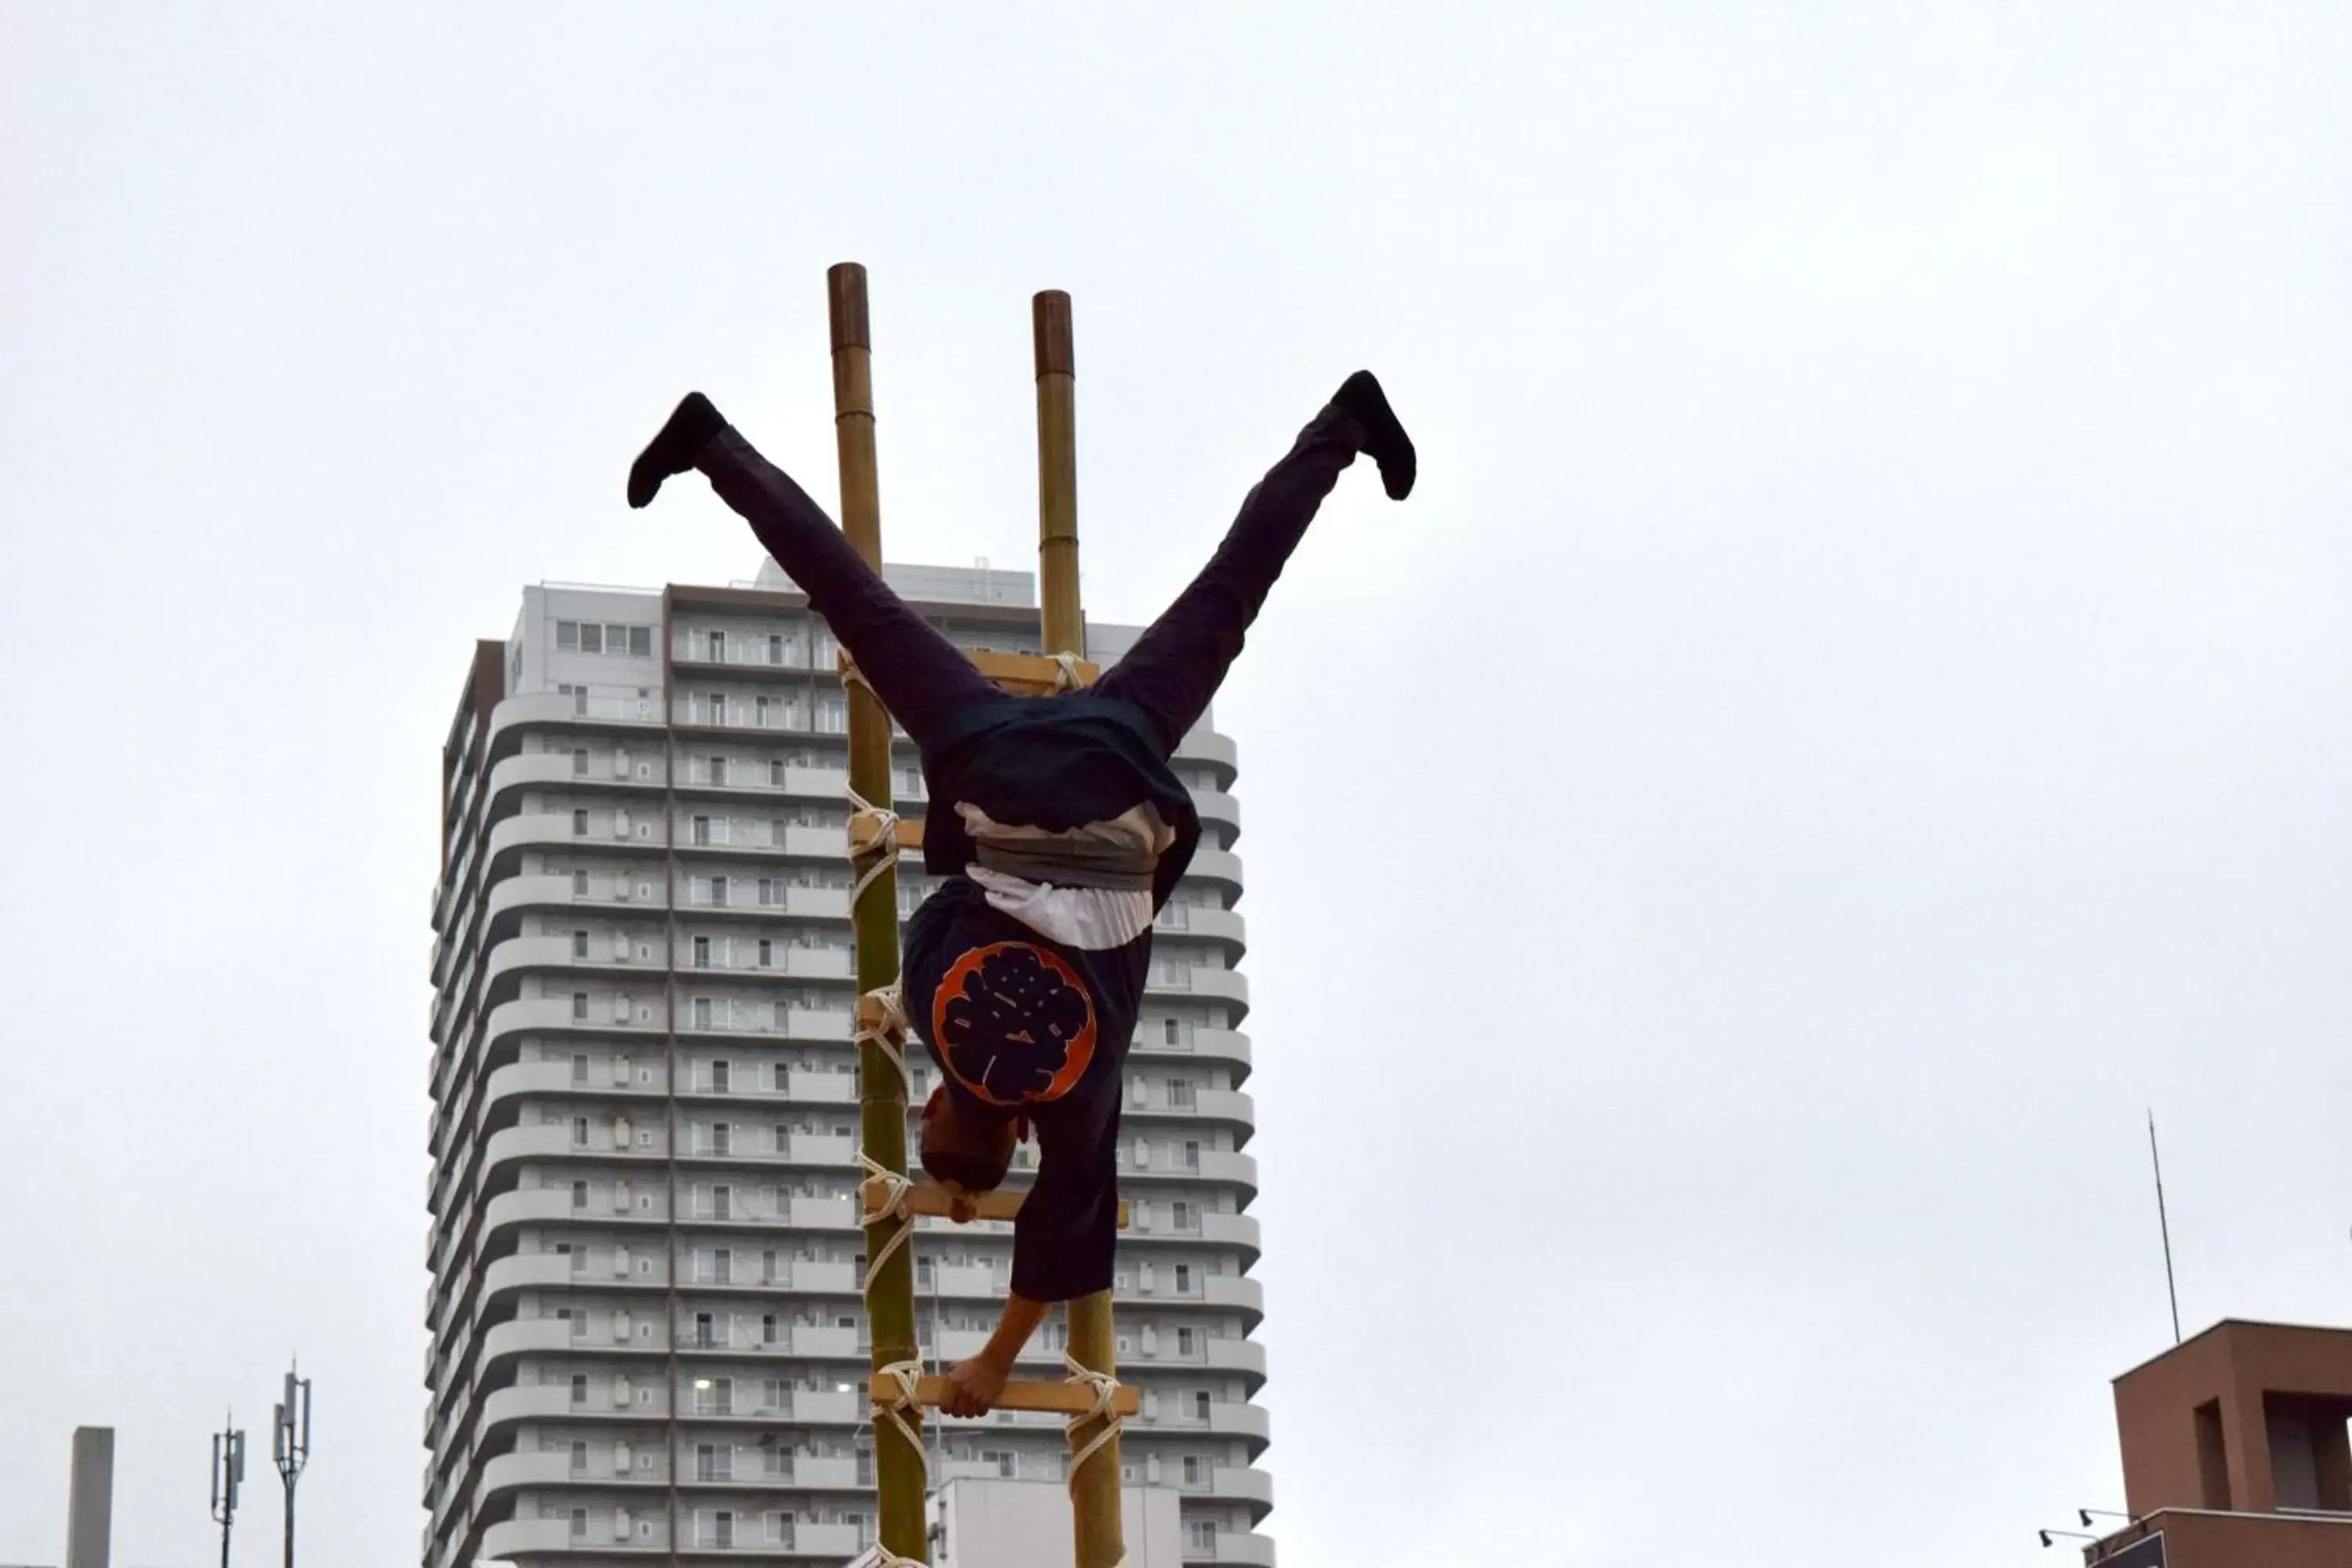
[[1057, 474], [882, 1096], [1094, 1488]]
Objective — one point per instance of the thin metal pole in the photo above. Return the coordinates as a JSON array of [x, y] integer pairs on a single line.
[[2164, 1225]]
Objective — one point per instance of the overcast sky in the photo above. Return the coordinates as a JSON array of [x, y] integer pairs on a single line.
[[1854, 715]]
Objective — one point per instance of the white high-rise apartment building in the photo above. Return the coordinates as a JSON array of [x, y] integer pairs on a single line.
[[649, 1344]]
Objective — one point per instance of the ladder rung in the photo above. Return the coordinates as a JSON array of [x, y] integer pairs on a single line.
[[906, 835], [1023, 674], [930, 1198], [1019, 1394]]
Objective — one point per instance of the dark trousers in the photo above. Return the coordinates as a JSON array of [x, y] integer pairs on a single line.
[[1170, 673]]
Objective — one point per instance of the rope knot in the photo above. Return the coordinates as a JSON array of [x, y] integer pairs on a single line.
[[1106, 1387]]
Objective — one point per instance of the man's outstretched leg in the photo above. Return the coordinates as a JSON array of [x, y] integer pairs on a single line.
[[920, 675], [1177, 666]]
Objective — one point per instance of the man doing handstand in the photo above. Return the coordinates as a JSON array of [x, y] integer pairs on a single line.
[[1064, 832]]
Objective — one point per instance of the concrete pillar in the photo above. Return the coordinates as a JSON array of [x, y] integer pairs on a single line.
[[90, 1512]]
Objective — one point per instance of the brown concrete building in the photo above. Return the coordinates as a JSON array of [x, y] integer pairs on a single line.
[[2235, 1452]]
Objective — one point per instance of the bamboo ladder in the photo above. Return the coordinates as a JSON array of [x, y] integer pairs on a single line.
[[890, 1201]]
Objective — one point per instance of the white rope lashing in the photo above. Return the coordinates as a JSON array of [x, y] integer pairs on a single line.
[[888, 1032], [896, 1185], [901, 1375], [1106, 1387], [1065, 671], [882, 823]]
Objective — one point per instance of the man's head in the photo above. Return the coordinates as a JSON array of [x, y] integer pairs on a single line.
[[970, 1148]]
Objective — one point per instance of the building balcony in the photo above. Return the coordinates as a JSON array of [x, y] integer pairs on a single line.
[[1237, 1291], [741, 899], [1215, 750], [518, 1538], [1224, 928], [565, 711], [1173, 980], [693, 651], [1218, 809], [1220, 867], [1213, 1165], [1228, 1048], [786, 961], [749, 1016], [606, 832], [1230, 1418], [646, 771], [1245, 1546], [1224, 1107], [1236, 1483]]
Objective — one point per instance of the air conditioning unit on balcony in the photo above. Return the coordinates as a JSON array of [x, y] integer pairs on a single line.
[[1141, 1214], [621, 1010], [620, 764]]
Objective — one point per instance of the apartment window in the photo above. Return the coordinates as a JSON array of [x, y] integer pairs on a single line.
[[579, 1388], [580, 1130], [1191, 1154], [706, 1331], [579, 825], [1185, 1216], [641, 642], [1201, 1406], [580, 761], [775, 648], [719, 892], [714, 1462], [1188, 1342], [1183, 1279], [578, 884], [718, 770], [702, 1011], [722, 1082], [579, 1006], [722, 1202], [715, 708], [714, 1396], [722, 1133], [591, 637], [759, 712], [831, 716], [702, 830], [771, 1327], [1007, 1463], [784, 1140], [716, 1527], [1167, 1026], [1201, 1536], [567, 637], [767, 952], [782, 1080], [1196, 1470], [578, 944], [775, 772], [715, 646], [702, 953], [1181, 1095], [579, 1524], [579, 1069], [579, 1195], [579, 1464]]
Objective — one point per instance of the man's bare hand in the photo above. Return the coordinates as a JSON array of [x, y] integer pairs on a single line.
[[973, 1387]]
